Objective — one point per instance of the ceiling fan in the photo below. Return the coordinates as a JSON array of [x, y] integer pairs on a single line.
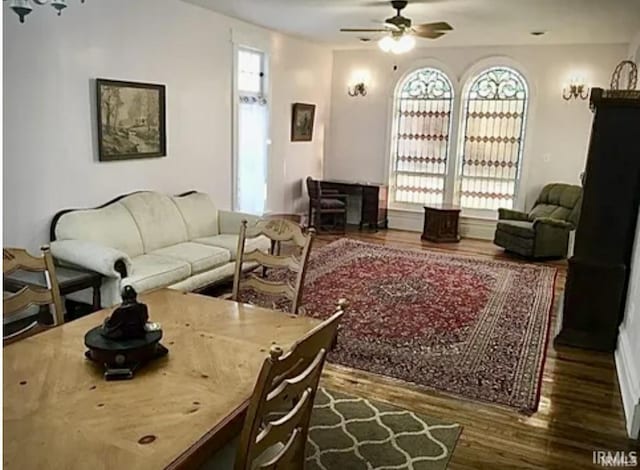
[[401, 33]]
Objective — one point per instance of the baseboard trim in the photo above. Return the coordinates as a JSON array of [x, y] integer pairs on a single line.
[[470, 227], [629, 385]]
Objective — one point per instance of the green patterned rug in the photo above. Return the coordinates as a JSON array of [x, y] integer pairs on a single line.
[[352, 433]]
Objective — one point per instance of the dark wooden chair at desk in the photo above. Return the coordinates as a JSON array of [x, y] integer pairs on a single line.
[[371, 196], [326, 202]]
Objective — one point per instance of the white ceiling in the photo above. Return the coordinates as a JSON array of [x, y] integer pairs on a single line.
[[476, 22]]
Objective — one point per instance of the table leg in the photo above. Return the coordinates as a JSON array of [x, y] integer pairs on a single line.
[[97, 300]]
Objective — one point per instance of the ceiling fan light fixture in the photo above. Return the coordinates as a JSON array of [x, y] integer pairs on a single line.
[[397, 45], [386, 43], [406, 43]]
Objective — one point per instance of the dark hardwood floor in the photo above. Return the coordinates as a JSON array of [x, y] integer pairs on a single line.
[[580, 407]]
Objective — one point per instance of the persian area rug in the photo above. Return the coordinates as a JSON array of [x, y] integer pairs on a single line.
[[358, 434], [468, 326]]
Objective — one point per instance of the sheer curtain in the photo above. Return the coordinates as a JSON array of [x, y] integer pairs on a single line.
[[252, 154]]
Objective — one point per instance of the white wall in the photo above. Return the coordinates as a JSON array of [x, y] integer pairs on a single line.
[[628, 351], [557, 130], [634, 49], [300, 74], [50, 157]]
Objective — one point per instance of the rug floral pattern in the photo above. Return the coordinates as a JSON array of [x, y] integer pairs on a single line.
[[354, 433], [469, 326]]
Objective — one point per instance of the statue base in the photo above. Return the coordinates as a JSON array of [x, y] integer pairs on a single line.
[[121, 358]]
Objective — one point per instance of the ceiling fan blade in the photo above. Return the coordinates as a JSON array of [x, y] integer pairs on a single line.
[[363, 30], [428, 34], [389, 26], [381, 3], [438, 26]]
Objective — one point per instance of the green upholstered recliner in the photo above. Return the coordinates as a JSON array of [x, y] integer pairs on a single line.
[[544, 231]]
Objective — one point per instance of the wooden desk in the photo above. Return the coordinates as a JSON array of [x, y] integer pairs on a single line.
[[58, 411], [373, 209]]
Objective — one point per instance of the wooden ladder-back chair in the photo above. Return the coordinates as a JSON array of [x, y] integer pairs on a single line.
[[276, 427], [16, 259], [277, 230]]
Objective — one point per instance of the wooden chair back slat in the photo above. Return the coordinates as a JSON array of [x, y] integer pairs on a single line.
[[280, 230], [293, 363], [22, 332], [15, 259], [287, 385], [25, 298], [276, 230], [293, 387], [287, 457], [280, 430], [272, 261], [269, 287]]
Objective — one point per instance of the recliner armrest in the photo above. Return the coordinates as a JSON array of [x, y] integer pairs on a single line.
[[230, 221], [93, 256], [553, 222], [510, 214]]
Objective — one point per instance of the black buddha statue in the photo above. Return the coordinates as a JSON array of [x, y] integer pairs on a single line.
[[127, 321]]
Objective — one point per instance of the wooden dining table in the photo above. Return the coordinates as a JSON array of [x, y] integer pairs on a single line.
[[60, 413]]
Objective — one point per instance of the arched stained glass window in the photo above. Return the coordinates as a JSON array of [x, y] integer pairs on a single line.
[[423, 106], [495, 108]]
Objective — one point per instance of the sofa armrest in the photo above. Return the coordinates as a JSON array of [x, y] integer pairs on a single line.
[[510, 214], [553, 223], [229, 221], [93, 256]]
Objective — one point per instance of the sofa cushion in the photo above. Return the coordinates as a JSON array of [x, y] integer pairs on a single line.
[[153, 271], [112, 225], [158, 219], [517, 228], [200, 257], [230, 243], [199, 213]]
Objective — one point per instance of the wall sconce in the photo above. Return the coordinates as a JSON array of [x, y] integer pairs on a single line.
[[359, 82], [575, 89], [359, 89]]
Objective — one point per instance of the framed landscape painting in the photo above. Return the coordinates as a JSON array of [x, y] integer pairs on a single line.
[[302, 122], [131, 120]]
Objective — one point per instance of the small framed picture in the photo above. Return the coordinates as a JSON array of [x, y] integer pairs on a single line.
[[302, 122], [131, 120]]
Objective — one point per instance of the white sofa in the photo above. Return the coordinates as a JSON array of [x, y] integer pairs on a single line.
[[150, 240]]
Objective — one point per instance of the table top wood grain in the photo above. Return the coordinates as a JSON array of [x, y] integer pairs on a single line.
[[59, 412]]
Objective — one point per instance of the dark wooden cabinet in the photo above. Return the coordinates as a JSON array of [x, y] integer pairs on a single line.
[[598, 274], [441, 223]]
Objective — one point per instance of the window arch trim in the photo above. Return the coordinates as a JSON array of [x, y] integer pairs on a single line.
[[422, 96], [460, 84], [489, 182]]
